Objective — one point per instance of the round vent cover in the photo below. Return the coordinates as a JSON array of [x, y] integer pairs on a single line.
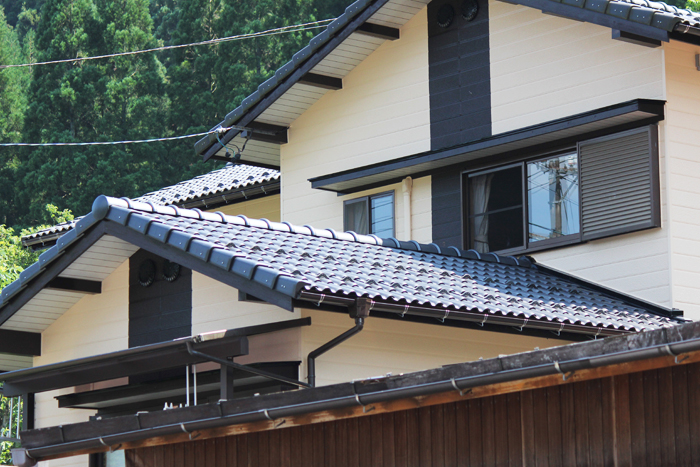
[[147, 273], [469, 9], [445, 15], [171, 271]]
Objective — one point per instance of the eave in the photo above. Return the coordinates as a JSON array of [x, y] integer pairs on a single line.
[[540, 137]]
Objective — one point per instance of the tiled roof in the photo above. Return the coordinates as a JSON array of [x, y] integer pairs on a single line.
[[215, 183], [649, 13], [295, 260]]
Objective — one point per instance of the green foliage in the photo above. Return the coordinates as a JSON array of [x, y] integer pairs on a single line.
[[693, 5], [8, 427]]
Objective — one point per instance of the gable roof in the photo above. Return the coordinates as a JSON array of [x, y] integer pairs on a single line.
[[231, 183], [292, 266], [341, 46]]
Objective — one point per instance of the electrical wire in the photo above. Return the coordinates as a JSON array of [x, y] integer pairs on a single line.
[[269, 32], [108, 143]]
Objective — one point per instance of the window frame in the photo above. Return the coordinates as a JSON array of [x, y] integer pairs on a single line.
[[368, 199], [527, 247]]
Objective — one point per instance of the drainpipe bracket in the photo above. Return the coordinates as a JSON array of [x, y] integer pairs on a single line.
[[361, 308]]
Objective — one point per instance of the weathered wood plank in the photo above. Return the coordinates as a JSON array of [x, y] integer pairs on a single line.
[[488, 436], [681, 416], [581, 420], [437, 435], [621, 407], [515, 435], [425, 440], [651, 404], [667, 426], [527, 423], [450, 434], [476, 450]]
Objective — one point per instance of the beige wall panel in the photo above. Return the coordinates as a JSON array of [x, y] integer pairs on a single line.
[[544, 67], [386, 346], [96, 324], [267, 207], [381, 113], [683, 148], [215, 306]]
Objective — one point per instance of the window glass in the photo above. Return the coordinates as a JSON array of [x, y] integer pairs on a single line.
[[383, 215], [553, 201], [496, 210], [357, 216]]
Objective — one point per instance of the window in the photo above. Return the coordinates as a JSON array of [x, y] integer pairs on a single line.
[[371, 215], [602, 187]]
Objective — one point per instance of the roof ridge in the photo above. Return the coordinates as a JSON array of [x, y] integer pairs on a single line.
[[103, 203]]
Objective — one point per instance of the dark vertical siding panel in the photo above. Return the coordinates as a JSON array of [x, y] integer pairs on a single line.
[[459, 70], [274, 440], [623, 449], [666, 420], [317, 431], [446, 209], [694, 409], [376, 444], [388, 441], [221, 454], [463, 436], [554, 426], [401, 440], [637, 420], [364, 441], [161, 311], [651, 404], [488, 437], [595, 422], [581, 420], [681, 416], [426, 451], [515, 435], [527, 424], [437, 434], [541, 428], [232, 451], [475, 433], [242, 457], [608, 422], [568, 424], [501, 422], [353, 431], [450, 435], [412, 434]]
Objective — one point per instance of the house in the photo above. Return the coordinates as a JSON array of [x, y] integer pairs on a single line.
[[451, 140]]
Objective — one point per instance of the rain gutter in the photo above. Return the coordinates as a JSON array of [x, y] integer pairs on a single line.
[[28, 457]]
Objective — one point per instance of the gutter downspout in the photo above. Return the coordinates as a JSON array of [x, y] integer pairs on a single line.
[[359, 310], [407, 188]]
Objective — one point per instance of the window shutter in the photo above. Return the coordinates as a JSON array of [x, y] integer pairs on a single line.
[[619, 183]]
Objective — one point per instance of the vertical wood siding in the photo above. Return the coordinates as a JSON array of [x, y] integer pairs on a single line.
[[683, 177], [382, 112], [544, 67], [641, 419]]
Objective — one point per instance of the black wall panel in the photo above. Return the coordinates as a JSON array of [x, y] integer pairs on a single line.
[[163, 310], [447, 208], [460, 88], [460, 102]]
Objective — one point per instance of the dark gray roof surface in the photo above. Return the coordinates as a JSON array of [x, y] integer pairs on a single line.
[[217, 182], [291, 259]]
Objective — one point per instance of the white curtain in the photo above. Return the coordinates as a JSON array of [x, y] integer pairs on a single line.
[[480, 192]]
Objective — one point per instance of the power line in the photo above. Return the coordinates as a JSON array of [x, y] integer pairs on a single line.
[[269, 32], [108, 143]]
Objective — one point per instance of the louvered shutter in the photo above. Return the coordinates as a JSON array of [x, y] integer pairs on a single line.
[[619, 183]]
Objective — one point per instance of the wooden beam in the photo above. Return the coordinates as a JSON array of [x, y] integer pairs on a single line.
[[635, 39], [267, 133], [75, 285], [377, 30], [20, 342], [322, 81]]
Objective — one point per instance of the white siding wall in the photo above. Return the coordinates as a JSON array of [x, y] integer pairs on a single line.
[[544, 67], [96, 324], [390, 346], [381, 113], [683, 176]]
